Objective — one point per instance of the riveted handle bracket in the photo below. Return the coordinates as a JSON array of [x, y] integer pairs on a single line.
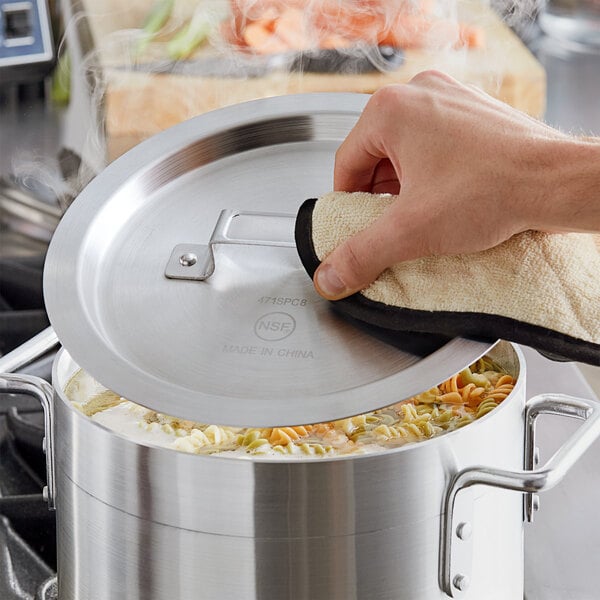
[[197, 261]]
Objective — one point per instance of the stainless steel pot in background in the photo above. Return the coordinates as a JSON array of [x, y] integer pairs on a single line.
[[572, 21], [141, 522]]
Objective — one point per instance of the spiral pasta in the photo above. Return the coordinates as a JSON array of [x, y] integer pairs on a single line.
[[465, 397]]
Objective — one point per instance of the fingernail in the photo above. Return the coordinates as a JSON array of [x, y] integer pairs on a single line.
[[328, 281]]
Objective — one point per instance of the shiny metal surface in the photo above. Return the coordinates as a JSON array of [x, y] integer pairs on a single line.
[[100, 557], [566, 456], [573, 74], [87, 468], [530, 481], [142, 522], [254, 344], [31, 350], [265, 229], [139, 522], [23, 213], [572, 21], [43, 392], [562, 544]]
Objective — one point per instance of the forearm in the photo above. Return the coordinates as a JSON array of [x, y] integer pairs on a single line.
[[570, 181], [469, 172]]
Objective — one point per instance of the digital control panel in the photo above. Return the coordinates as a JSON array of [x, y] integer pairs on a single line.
[[26, 49]]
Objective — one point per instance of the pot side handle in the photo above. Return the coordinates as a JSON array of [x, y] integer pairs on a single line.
[[29, 351], [42, 390], [454, 580]]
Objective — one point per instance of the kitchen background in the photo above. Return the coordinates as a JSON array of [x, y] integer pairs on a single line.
[[83, 81]]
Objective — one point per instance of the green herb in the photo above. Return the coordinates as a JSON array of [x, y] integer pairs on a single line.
[[187, 39], [154, 22], [60, 91]]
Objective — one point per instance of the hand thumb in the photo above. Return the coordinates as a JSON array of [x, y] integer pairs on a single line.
[[354, 264]]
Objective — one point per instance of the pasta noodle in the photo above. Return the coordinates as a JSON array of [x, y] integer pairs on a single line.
[[465, 397]]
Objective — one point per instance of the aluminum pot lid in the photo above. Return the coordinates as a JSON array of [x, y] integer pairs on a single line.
[[173, 279]]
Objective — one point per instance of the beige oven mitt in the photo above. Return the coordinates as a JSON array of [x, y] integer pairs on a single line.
[[541, 290]]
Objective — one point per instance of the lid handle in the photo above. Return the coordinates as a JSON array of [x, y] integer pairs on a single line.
[[197, 261]]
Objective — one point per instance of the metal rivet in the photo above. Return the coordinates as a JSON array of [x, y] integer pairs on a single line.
[[187, 260], [44, 448], [461, 582], [464, 531], [45, 493], [535, 501]]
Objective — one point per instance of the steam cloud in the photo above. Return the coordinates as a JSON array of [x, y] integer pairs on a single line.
[[117, 36]]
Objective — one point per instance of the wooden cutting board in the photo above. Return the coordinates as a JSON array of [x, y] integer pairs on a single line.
[[138, 105]]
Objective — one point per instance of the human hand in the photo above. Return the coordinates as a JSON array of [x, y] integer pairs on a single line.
[[469, 172]]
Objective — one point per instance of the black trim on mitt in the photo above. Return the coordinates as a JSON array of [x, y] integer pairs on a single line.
[[548, 342], [303, 234]]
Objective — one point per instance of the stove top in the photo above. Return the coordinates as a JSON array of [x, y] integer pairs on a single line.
[[27, 526], [22, 312]]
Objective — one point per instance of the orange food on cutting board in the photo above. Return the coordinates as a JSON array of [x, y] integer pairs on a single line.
[[260, 36], [138, 105], [292, 29], [270, 26]]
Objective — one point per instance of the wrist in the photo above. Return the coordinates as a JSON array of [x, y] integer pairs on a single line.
[[568, 196]]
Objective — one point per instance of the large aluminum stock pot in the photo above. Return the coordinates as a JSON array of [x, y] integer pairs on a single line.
[[424, 521], [173, 280]]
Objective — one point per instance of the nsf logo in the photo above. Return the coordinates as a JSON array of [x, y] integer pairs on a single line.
[[274, 326]]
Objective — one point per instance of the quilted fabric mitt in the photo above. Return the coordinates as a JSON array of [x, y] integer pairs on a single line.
[[537, 289]]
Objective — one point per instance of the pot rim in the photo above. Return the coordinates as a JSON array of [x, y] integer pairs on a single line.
[[63, 354]]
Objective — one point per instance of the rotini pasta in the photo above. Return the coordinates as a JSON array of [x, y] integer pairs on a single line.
[[465, 397]]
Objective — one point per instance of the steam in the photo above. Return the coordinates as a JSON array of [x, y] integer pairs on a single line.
[[137, 105], [518, 13], [33, 172], [63, 176], [122, 105]]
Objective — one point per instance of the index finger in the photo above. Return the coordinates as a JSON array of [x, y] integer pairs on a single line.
[[357, 158], [355, 163]]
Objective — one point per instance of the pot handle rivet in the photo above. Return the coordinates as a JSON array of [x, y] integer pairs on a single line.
[[464, 531], [189, 259], [461, 582]]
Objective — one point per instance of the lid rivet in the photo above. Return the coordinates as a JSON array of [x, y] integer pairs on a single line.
[[187, 260]]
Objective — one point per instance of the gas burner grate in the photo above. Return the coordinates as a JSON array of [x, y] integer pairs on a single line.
[[22, 312], [21, 569], [27, 526]]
